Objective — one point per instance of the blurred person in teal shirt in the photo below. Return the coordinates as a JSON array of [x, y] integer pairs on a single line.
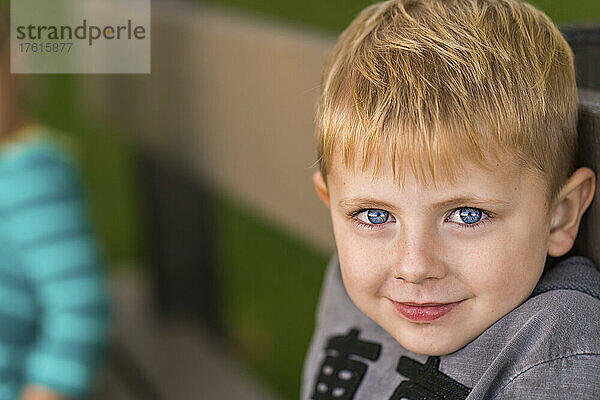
[[53, 298]]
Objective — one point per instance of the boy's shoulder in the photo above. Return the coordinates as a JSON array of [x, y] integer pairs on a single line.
[[562, 312], [546, 347], [549, 346], [563, 301]]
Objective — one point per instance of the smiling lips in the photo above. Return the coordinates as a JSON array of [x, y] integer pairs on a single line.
[[424, 312]]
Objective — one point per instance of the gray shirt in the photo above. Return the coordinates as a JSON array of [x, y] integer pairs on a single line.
[[547, 348]]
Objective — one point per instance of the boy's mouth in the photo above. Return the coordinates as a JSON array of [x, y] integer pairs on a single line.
[[426, 312]]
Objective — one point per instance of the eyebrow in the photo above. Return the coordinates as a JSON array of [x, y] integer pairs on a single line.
[[469, 200], [364, 202]]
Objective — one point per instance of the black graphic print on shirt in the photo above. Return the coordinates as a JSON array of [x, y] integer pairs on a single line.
[[340, 375], [427, 382], [342, 371]]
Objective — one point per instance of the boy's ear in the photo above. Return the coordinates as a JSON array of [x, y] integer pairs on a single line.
[[321, 187], [572, 202]]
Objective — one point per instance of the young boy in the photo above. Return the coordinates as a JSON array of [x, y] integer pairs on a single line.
[[446, 143]]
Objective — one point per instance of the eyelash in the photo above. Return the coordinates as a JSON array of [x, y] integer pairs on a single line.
[[488, 218], [362, 224], [479, 224]]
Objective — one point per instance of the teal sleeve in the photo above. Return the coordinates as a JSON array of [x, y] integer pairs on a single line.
[[45, 217]]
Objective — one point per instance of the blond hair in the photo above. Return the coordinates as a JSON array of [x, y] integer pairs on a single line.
[[437, 82]]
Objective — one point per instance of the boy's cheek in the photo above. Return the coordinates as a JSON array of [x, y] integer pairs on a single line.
[[362, 287], [361, 269]]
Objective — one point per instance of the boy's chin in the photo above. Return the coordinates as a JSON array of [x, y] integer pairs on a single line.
[[431, 345], [437, 349]]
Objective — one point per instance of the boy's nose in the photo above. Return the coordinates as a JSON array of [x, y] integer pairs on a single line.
[[417, 257]]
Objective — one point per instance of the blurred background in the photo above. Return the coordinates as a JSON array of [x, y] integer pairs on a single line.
[[199, 182]]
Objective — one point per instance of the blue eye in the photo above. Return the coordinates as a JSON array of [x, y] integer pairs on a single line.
[[378, 216], [470, 215], [372, 218]]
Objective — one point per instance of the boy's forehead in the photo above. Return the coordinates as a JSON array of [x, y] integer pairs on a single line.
[[429, 173], [503, 182]]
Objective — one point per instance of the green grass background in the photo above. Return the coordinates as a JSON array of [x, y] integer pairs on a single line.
[[335, 15], [270, 279], [106, 161]]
